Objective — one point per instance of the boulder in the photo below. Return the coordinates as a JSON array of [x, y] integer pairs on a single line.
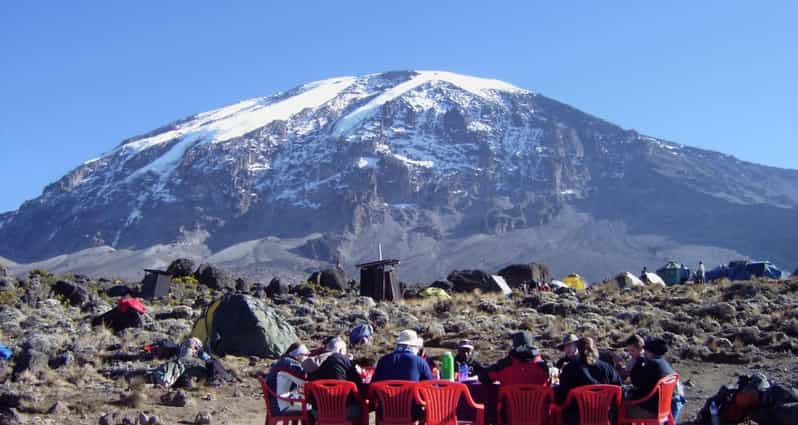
[[469, 280], [518, 274], [181, 267], [7, 284], [179, 312], [722, 311], [71, 292], [277, 287], [488, 307], [332, 278], [214, 277], [379, 317], [243, 285]]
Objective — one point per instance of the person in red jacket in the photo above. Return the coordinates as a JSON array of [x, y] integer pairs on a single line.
[[523, 365]]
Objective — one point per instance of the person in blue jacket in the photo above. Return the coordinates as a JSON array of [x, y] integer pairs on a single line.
[[404, 363]]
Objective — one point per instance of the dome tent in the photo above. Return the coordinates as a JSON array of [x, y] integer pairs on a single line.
[[242, 325], [575, 282], [628, 280], [652, 279], [674, 273]]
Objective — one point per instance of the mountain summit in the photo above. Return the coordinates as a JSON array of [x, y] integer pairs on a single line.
[[446, 170]]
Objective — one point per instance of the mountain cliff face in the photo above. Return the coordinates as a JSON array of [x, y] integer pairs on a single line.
[[438, 155]]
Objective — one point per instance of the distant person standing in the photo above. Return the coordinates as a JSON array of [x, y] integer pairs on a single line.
[[643, 273], [700, 275]]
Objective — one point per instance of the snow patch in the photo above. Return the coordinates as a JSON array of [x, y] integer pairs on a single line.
[[165, 164], [406, 160], [402, 206], [241, 118], [481, 87], [367, 162]]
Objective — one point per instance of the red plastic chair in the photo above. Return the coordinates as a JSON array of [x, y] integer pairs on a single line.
[[525, 404], [440, 399], [274, 418], [396, 400], [330, 398], [664, 388], [594, 402]]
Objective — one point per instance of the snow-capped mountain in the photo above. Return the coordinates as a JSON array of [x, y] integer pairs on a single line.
[[439, 156]]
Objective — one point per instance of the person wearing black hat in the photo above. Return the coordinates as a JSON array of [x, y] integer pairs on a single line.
[[570, 350], [523, 365], [645, 377], [588, 369]]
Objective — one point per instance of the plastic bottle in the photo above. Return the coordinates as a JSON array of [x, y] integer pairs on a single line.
[[713, 412], [462, 372], [447, 366]]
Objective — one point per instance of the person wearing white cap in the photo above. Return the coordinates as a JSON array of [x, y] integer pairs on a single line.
[[404, 363], [466, 356], [286, 377]]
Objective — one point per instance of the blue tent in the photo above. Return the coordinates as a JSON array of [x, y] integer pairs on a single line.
[[745, 270]]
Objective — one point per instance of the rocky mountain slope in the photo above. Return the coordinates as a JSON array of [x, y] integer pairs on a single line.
[[421, 162]]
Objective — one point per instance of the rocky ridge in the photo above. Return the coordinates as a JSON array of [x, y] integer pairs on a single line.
[[63, 365]]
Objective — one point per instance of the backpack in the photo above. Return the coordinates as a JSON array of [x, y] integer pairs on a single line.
[[359, 334]]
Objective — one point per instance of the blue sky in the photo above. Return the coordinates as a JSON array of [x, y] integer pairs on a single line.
[[76, 78]]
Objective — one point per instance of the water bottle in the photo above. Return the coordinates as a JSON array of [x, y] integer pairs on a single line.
[[447, 366], [462, 372], [713, 412]]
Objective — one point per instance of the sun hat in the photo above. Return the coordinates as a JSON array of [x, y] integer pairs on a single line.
[[568, 339], [409, 337]]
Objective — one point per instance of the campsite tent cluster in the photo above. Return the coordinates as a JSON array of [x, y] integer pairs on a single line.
[[245, 325]]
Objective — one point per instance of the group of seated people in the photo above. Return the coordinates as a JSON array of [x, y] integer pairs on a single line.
[[582, 364]]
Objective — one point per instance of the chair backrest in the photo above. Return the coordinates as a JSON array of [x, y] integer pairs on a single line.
[[330, 397], [595, 403], [525, 404], [440, 400], [396, 399], [267, 393], [666, 386], [264, 386]]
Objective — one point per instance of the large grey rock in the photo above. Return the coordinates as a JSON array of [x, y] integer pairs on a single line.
[[722, 311], [277, 287], [73, 293], [214, 277], [181, 267], [332, 278], [518, 274], [469, 280]]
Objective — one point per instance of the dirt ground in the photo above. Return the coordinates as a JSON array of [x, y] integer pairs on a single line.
[[241, 403]]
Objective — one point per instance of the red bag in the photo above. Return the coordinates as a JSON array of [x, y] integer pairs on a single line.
[[127, 303]]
